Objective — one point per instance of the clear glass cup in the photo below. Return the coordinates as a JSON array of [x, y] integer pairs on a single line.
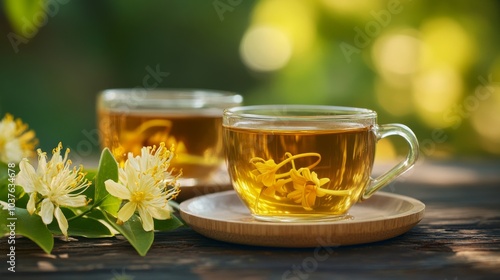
[[294, 163], [187, 119]]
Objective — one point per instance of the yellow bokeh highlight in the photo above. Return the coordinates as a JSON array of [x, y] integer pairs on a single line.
[[434, 92], [265, 48], [396, 56], [295, 18], [386, 152], [394, 100], [485, 118], [358, 8], [449, 44]]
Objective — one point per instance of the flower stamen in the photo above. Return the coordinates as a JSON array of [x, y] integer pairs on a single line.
[[307, 186], [16, 140], [53, 185], [146, 185]]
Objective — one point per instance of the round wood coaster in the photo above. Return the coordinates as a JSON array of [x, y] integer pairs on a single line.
[[222, 216]]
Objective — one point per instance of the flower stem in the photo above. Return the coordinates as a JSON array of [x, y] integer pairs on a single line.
[[334, 192], [152, 123], [292, 158], [90, 209]]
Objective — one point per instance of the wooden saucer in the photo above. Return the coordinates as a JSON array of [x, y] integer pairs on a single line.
[[222, 216]]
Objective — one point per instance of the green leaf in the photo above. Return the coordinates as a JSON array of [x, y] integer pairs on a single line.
[[19, 194], [22, 15], [169, 224], [4, 175], [132, 230], [86, 227], [108, 169], [30, 226], [90, 175]]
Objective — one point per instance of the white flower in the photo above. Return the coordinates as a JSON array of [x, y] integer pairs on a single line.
[[147, 186], [153, 161], [144, 194], [16, 141], [52, 186]]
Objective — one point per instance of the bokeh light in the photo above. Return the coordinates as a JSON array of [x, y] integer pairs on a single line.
[[448, 43], [396, 55], [435, 91], [393, 100], [265, 48], [414, 62], [295, 18], [279, 29], [358, 8], [486, 117]]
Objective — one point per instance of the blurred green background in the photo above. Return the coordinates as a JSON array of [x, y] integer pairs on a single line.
[[432, 65]]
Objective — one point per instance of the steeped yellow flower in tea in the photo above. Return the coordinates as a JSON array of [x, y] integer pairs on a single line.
[[306, 184]]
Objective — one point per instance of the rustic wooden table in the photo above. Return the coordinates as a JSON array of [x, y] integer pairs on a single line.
[[459, 238]]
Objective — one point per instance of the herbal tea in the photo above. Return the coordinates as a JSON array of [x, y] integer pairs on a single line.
[[309, 172], [196, 139]]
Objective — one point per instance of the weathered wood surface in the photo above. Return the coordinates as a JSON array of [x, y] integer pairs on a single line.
[[459, 238]]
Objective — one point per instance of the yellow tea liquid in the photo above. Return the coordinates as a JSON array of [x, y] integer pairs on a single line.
[[196, 139], [301, 173]]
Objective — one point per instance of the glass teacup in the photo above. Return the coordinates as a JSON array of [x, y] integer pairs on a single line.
[[304, 162], [188, 120]]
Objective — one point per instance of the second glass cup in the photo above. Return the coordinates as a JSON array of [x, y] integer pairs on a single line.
[[188, 119]]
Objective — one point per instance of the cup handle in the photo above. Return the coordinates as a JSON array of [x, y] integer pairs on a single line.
[[382, 131]]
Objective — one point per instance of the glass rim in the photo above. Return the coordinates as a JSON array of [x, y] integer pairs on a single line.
[[169, 97], [307, 112]]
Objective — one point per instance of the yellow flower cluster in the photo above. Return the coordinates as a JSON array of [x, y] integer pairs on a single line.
[[53, 185], [147, 186], [143, 184], [307, 186], [16, 140]]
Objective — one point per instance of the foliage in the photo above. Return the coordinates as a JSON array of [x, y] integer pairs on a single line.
[[96, 220]]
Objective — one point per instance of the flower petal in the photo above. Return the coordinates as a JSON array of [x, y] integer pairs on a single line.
[[160, 213], [309, 201], [147, 219], [27, 176], [72, 201], [61, 221], [127, 211], [269, 191], [47, 211], [117, 189], [41, 169], [323, 181], [13, 151], [31, 206], [296, 196], [268, 179], [298, 180]]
